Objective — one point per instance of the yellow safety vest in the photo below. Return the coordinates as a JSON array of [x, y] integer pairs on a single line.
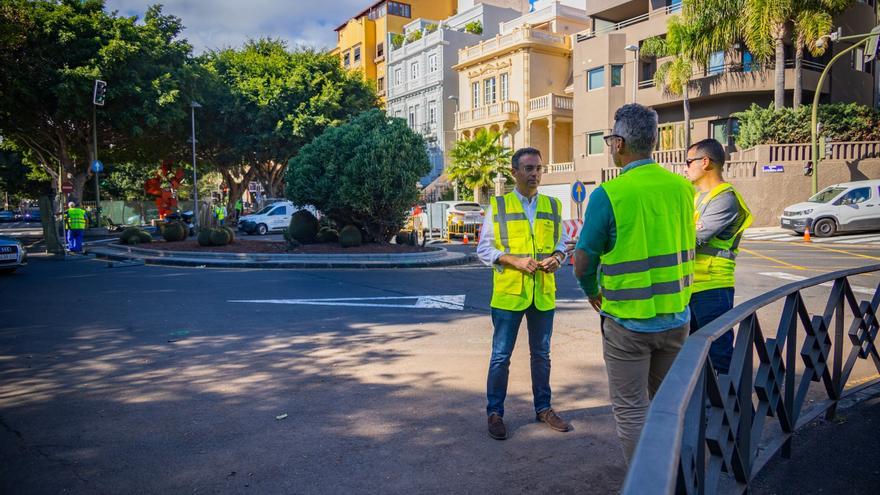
[[76, 219], [716, 260], [650, 269], [514, 290]]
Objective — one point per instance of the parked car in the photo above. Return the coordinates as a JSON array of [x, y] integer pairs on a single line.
[[7, 216], [12, 254], [846, 207], [31, 215], [272, 218]]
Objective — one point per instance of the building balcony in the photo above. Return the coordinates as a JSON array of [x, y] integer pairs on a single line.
[[496, 113], [602, 27], [551, 105], [558, 168], [521, 36]]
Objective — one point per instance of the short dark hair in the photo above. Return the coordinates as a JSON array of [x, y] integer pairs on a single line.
[[514, 161], [711, 149]]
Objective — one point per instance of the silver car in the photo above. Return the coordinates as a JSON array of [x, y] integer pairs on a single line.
[[12, 254]]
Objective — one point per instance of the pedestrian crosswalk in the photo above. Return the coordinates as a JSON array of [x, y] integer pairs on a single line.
[[781, 235]]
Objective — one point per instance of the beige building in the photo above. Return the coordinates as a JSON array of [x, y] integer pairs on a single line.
[[519, 82], [607, 76]]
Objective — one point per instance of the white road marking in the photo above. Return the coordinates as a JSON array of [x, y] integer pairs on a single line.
[[798, 278], [454, 302]]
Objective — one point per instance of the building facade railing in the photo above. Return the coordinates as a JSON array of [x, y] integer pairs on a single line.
[[518, 35], [712, 433], [591, 33], [490, 111], [556, 168], [551, 102], [800, 152]]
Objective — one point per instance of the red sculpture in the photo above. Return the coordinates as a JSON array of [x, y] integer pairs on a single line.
[[164, 188]]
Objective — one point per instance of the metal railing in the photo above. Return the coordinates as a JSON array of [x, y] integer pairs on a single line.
[[709, 433], [589, 33]]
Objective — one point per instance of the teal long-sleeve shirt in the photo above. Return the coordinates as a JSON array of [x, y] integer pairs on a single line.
[[597, 237]]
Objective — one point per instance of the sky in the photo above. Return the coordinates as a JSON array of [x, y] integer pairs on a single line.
[[214, 24]]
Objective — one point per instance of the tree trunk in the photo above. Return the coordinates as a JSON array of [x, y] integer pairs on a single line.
[[686, 107], [237, 180], [779, 71], [50, 228], [798, 78]]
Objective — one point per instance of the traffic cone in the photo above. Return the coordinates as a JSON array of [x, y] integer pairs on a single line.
[[465, 240], [807, 235]]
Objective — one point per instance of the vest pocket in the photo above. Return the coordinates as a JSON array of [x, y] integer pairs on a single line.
[[509, 282]]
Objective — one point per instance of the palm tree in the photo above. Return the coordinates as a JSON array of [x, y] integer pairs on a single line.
[[811, 20], [764, 29], [674, 75], [476, 162]]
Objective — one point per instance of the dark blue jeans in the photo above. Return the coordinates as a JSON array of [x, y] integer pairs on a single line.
[[705, 307], [75, 240], [506, 323]]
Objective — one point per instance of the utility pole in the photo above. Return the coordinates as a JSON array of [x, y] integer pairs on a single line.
[[193, 105], [98, 97]]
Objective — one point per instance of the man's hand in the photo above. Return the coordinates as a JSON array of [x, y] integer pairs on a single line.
[[527, 265], [570, 245], [550, 264], [596, 302]]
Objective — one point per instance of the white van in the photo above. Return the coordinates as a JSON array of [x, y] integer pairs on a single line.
[[272, 218], [846, 207]]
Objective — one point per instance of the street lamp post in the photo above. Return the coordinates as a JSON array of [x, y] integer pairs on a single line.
[[455, 182], [814, 131], [193, 105], [635, 50]]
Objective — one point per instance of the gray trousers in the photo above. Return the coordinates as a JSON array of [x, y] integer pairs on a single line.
[[636, 363]]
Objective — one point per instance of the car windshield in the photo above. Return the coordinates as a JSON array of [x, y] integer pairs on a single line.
[[264, 210], [827, 194], [468, 207]]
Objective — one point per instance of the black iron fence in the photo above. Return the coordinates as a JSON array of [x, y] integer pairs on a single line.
[[712, 433]]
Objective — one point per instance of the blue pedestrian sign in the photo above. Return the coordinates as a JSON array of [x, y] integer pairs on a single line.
[[97, 166], [578, 192]]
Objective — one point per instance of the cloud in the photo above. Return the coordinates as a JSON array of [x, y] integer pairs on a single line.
[[214, 24]]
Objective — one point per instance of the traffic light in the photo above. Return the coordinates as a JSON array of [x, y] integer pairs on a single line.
[[808, 168], [100, 93]]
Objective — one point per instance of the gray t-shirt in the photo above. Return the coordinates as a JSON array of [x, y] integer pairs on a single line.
[[720, 218]]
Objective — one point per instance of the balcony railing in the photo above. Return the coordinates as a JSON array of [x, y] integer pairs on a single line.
[[488, 112], [519, 35], [589, 33], [555, 168], [551, 102]]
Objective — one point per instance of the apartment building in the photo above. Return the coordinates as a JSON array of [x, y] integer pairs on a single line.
[[422, 87], [361, 40], [519, 84], [607, 76]]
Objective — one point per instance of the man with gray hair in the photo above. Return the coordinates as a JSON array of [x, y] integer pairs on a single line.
[[635, 262]]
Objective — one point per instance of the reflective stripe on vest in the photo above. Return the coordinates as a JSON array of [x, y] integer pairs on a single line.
[[76, 219], [514, 290], [716, 260], [649, 271]]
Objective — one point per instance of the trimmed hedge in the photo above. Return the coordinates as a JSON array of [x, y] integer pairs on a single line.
[[840, 122]]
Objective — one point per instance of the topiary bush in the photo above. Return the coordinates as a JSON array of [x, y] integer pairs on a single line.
[[219, 236], [230, 233], [144, 237], [303, 226], [205, 237], [404, 237], [326, 234], [134, 235], [350, 236], [175, 231]]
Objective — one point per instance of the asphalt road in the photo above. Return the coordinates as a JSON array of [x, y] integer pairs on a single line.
[[150, 380]]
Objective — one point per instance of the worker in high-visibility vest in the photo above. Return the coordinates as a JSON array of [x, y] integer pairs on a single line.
[[523, 240], [721, 217], [220, 213], [634, 261], [76, 225]]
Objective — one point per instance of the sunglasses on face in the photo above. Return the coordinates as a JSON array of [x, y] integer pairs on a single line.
[[691, 160]]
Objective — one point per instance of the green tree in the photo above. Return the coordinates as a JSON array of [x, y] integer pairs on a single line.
[[811, 20], [363, 172], [476, 162], [764, 29], [54, 50], [674, 74]]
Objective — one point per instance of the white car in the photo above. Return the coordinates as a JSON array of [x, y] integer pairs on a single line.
[[846, 207], [12, 254], [272, 218]]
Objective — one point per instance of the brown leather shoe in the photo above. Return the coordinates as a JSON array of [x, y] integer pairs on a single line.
[[497, 430], [553, 420]]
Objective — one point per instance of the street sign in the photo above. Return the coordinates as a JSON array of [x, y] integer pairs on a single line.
[[97, 166], [67, 187], [578, 192], [772, 169], [871, 46]]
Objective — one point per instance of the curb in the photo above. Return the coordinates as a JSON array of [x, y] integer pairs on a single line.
[[440, 257]]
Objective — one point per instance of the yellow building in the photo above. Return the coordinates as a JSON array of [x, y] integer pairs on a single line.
[[361, 40]]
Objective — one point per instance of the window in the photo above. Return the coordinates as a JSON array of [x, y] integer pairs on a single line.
[[432, 63], [489, 95], [380, 84], [595, 143], [596, 78], [414, 71], [748, 61], [724, 130], [859, 195], [505, 87], [377, 12], [346, 59], [432, 113], [475, 95], [399, 9], [716, 63], [674, 5], [412, 118], [398, 76], [281, 210], [616, 75], [380, 50], [357, 54]]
